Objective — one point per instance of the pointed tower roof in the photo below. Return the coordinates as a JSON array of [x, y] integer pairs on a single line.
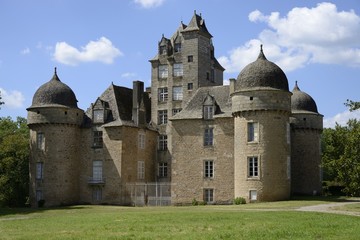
[[197, 23], [301, 101]]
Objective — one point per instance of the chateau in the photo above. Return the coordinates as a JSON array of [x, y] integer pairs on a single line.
[[187, 137]]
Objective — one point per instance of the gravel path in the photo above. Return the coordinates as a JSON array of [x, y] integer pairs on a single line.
[[330, 208]]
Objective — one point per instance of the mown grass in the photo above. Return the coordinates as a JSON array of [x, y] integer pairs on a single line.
[[251, 221]]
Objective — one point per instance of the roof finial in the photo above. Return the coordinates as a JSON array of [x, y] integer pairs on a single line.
[[261, 54], [296, 87], [55, 71]]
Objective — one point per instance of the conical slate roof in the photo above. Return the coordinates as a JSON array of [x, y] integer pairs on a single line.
[[262, 74], [301, 101], [54, 93]]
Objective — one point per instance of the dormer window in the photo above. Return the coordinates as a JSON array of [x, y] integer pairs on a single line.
[[98, 116], [162, 50], [177, 47], [208, 112]]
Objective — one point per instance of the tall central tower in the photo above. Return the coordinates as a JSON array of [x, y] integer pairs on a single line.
[[183, 63]]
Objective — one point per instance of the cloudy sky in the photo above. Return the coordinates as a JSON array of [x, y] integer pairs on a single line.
[[95, 43]]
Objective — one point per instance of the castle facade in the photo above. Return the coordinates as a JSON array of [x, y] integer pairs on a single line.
[[187, 137]]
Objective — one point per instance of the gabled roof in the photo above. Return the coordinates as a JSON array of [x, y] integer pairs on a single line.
[[197, 23], [194, 108]]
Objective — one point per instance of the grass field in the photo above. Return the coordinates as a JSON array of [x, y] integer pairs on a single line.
[[278, 220]]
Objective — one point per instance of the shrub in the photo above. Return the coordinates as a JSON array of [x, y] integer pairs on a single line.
[[194, 202], [239, 200]]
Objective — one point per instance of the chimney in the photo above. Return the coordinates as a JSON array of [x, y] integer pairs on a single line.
[[138, 111], [232, 85]]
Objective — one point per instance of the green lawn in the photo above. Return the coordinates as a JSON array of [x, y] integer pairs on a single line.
[[251, 221]]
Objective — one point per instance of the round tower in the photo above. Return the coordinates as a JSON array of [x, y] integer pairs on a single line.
[[54, 121], [261, 110], [306, 128]]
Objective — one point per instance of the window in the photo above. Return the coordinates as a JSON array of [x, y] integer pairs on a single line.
[[162, 94], [141, 170], [253, 167], [39, 170], [97, 170], [212, 75], [288, 133], [178, 69], [208, 112], [40, 141], [97, 194], [98, 116], [209, 195], [162, 114], [163, 71], [141, 140], [208, 137], [176, 110], [190, 58], [177, 47], [190, 86], [207, 76], [253, 195], [288, 167], [163, 170], [208, 169], [253, 132], [98, 140], [162, 142], [177, 93], [39, 195], [162, 50]]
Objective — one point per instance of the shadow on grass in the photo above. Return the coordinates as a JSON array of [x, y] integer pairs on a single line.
[[324, 198], [23, 211]]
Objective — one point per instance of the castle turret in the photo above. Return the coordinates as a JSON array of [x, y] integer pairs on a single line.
[[261, 110], [54, 121], [306, 128]]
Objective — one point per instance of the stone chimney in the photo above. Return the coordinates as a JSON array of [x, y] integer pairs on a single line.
[[138, 110], [232, 85]]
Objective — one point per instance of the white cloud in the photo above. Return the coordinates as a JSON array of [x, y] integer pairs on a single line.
[[13, 99], [305, 35], [149, 3], [128, 75], [341, 118], [25, 51], [101, 50]]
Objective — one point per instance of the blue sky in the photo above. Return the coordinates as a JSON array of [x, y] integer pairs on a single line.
[[95, 43]]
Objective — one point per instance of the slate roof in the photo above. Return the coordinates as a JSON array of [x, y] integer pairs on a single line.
[[262, 74], [54, 93], [197, 23], [194, 108], [301, 101]]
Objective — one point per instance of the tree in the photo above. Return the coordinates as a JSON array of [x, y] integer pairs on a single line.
[[14, 162], [1, 102], [352, 105]]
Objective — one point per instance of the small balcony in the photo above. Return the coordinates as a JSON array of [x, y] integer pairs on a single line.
[[96, 181]]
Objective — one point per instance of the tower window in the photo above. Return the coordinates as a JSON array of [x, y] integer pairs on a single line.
[[40, 141], [163, 170], [175, 111], [190, 86], [208, 112], [39, 170], [97, 171], [209, 195], [162, 117], [163, 71], [98, 116], [190, 58], [253, 167], [253, 132], [141, 170], [162, 143], [98, 139], [162, 50], [162, 94], [178, 69], [177, 93], [141, 140]]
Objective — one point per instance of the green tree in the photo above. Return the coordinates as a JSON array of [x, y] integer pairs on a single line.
[[14, 162], [1, 102], [352, 105]]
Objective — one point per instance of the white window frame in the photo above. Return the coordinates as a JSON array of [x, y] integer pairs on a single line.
[[177, 93], [163, 94], [209, 169], [162, 142], [98, 115], [208, 195], [98, 139], [176, 110], [163, 170], [162, 117], [141, 140], [253, 167], [163, 71], [141, 170], [253, 132], [178, 69], [97, 170]]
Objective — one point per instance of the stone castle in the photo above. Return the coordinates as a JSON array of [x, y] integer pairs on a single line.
[[186, 138]]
